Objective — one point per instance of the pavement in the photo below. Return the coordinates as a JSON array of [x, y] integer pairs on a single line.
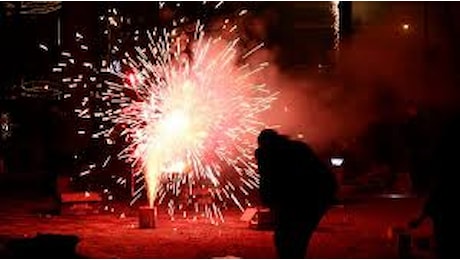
[[358, 229]]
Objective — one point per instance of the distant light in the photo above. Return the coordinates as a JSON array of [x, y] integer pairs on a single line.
[[395, 196], [336, 161], [406, 26]]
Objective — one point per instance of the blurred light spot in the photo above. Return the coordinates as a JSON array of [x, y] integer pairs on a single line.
[[336, 161]]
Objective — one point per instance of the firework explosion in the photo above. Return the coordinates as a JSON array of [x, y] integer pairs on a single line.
[[188, 106], [194, 117]]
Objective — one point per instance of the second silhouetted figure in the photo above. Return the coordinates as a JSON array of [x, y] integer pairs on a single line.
[[296, 186]]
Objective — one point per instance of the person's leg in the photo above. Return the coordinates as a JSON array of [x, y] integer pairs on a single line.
[[285, 234], [299, 244], [305, 229], [282, 242], [290, 244], [292, 236]]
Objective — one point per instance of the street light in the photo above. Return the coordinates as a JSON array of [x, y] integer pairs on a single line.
[[406, 26]]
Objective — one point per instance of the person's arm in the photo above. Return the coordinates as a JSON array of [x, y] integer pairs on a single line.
[[265, 179]]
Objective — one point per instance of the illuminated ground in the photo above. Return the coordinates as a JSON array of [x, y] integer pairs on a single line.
[[358, 230]]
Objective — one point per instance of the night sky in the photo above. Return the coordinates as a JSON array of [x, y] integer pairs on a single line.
[[374, 83]]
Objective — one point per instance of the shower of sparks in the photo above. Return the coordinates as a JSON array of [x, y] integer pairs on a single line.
[[192, 119], [187, 107]]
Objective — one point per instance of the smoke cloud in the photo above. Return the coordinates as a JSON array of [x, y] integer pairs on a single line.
[[385, 72]]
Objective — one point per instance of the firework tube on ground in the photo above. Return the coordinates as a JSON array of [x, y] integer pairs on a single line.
[[147, 217]]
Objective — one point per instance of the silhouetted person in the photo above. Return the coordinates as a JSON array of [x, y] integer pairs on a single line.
[[297, 188], [442, 204]]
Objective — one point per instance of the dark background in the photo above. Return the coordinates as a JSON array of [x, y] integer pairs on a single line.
[[404, 69]]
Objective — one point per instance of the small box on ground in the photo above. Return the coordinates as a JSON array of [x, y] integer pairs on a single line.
[[80, 203], [258, 218]]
